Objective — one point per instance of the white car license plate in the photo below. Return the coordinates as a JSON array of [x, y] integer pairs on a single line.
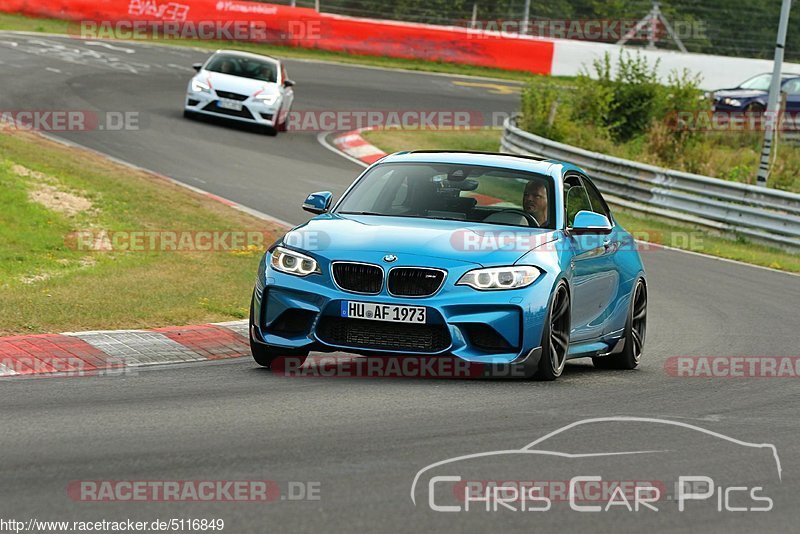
[[226, 103], [383, 312]]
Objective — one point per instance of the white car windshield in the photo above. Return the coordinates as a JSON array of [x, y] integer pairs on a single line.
[[246, 67]]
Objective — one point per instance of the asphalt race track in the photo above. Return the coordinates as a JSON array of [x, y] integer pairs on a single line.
[[364, 440]]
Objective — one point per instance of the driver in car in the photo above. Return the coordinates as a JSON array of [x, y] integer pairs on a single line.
[[267, 74], [534, 201]]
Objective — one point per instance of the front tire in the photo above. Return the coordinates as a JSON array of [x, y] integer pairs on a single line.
[[635, 330], [555, 338]]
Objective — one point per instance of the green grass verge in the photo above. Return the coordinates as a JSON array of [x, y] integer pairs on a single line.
[[31, 24], [51, 283], [648, 228]]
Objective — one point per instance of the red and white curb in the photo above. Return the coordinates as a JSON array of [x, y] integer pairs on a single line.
[[355, 146], [109, 351]]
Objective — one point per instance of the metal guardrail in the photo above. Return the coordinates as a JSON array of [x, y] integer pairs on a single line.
[[765, 215]]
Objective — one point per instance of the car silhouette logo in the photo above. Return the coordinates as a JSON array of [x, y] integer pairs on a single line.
[[389, 258]]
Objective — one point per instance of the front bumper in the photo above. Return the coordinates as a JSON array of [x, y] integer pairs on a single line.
[[253, 111], [492, 328]]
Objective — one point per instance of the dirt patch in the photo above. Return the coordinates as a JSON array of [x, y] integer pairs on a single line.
[[60, 201], [46, 192]]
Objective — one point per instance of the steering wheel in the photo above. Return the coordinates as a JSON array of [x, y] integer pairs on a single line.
[[532, 222]]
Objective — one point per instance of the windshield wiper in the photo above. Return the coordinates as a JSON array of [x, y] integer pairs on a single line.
[[364, 213]]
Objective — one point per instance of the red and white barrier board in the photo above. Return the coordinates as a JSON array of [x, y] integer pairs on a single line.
[[306, 28]]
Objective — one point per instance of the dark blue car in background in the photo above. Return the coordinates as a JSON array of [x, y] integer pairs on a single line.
[[752, 95]]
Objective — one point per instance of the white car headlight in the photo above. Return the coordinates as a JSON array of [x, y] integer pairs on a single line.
[[291, 262], [512, 277], [732, 102], [200, 87], [266, 98]]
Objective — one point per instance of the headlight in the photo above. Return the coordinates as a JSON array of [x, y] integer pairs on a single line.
[[291, 262], [200, 87], [732, 102], [266, 98], [512, 277]]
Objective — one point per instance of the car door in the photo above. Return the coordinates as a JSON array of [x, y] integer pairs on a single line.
[[595, 282], [791, 119]]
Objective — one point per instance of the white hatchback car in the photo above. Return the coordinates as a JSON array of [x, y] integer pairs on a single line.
[[241, 86]]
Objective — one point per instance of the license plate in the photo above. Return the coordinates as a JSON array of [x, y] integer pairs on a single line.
[[227, 103], [383, 312]]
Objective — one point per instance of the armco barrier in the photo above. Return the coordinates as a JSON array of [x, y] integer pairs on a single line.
[[306, 28], [765, 215]]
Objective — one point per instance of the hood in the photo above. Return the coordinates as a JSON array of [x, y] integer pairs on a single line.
[[359, 236], [237, 84], [739, 93]]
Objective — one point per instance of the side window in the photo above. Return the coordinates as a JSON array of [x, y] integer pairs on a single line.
[[792, 87], [595, 199], [575, 198]]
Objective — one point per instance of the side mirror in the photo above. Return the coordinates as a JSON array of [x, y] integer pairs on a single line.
[[318, 202], [589, 222], [197, 66], [288, 83]]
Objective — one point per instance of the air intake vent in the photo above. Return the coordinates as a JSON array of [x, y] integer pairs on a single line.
[[401, 337], [415, 282], [231, 96], [358, 277]]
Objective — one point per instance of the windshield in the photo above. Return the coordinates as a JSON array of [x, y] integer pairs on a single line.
[[246, 67], [758, 83], [454, 192]]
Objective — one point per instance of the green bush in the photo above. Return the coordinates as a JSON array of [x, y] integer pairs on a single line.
[[593, 100], [545, 108], [620, 109]]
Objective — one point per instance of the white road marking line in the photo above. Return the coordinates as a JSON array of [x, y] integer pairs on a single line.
[[111, 47]]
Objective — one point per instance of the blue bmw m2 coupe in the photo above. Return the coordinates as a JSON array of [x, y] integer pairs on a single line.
[[505, 261]]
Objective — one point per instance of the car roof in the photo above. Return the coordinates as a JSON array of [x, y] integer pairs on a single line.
[[783, 75], [246, 54], [487, 159]]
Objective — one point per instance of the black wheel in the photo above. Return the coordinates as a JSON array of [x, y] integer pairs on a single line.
[[755, 107], [635, 331], [265, 355], [555, 338], [270, 131], [188, 114]]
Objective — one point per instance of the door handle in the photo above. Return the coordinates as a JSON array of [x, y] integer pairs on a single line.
[[607, 244]]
